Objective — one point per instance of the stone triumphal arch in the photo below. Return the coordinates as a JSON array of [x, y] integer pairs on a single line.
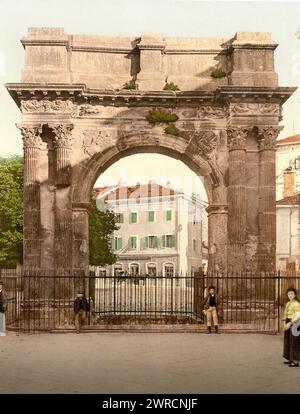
[[77, 119]]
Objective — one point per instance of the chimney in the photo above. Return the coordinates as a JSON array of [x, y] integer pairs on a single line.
[[288, 182]]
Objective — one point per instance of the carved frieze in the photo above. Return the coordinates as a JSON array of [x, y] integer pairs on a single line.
[[236, 138], [88, 110], [212, 112], [242, 109], [48, 106], [93, 141], [267, 137], [62, 135], [31, 137]]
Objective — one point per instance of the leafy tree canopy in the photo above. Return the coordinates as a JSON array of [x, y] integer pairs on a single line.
[[11, 211]]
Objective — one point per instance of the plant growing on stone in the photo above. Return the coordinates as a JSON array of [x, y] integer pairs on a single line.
[[171, 87], [172, 130], [218, 73], [131, 85], [161, 115]]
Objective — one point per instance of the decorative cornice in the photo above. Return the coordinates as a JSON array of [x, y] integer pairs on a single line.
[[195, 51], [236, 138], [80, 94], [264, 46]]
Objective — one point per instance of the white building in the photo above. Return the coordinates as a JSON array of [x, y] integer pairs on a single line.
[[288, 226], [287, 155], [160, 229]]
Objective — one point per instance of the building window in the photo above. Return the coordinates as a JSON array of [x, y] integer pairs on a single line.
[[134, 269], [169, 215], [151, 242], [151, 215], [133, 218], [151, 269], [169, 270], [119, 218], [133, 242], [118, 268], [168, 240], [194, 245], [116, 243]]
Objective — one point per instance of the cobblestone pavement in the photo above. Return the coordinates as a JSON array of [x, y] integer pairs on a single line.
[[145, 363]]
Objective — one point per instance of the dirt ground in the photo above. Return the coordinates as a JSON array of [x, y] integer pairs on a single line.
[[145, 363]]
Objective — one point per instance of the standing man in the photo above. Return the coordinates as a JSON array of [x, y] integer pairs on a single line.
[[81, 307], [210, 308], [2, 309]]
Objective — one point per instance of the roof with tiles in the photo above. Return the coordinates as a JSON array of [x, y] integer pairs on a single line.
[[294, 139], [136, 192]]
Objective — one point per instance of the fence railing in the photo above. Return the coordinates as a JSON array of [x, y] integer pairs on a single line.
[[246, 301]]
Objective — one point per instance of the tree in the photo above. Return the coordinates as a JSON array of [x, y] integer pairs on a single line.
[[102, 224], [11, 211]]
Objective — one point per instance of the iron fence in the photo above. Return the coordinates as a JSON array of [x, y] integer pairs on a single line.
[[246, 301]]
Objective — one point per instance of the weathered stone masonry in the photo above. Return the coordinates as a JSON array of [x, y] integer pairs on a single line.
[[77, 120]]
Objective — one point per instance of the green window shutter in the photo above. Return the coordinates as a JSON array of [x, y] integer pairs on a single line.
[[173, 240], [169, 215], [146, 242], [133, 217], [135, 242], [155, 244], [163, 239], [119, 243], [113, 243], [121, 218], [151, 216]]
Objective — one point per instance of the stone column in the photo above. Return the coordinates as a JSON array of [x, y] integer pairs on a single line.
[[63, 210], [217, 238], [80, 252], [267, 199], [32, 145], [63, 144], [236, 198]]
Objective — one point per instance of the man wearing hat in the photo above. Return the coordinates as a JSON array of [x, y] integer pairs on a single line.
[[81, 307], [2, 309]]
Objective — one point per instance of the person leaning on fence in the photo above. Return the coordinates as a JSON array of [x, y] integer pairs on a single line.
[[2, 309], [81, 307], [211, 308], [291, 316]]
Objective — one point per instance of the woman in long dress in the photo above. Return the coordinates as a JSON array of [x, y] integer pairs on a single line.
[[291, 348]]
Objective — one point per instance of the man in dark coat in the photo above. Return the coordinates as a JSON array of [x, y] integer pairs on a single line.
[[81, 307], [211, 308]]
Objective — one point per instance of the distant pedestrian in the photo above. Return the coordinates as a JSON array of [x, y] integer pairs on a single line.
[[211, 309], [291, 348], [81, 307], [2, 309]]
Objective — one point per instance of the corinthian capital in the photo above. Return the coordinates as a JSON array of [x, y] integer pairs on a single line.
[[236, 138], [63, 135], [31, 136], [267, 137]]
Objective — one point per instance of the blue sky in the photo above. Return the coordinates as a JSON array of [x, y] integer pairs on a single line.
[[134, 17]]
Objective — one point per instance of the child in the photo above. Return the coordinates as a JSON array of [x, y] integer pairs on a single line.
[[210, 308], [2, 309], [291, 349]]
